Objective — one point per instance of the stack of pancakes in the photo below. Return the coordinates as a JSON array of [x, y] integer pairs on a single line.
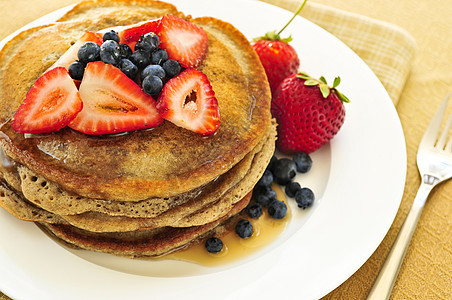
[[143, 193]]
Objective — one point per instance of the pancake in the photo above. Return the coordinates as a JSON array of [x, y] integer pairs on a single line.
[[144, 243], [141, 193], [162, 162], [198, 211]]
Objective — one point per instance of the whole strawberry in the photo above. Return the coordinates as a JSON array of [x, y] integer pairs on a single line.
[[308, 112], [278, 58]]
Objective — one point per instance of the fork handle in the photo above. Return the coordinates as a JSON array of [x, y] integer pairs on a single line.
[[388, 274]]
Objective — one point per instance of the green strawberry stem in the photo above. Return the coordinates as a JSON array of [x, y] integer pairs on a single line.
[[293, 17], [323, 85], [273, 36]]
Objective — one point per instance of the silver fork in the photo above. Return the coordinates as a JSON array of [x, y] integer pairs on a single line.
[[434, 161]]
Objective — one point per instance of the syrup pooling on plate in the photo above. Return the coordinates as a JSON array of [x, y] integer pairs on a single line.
[[265, 231]]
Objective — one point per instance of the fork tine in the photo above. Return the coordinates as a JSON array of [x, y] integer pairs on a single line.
[[449, 144], [431, 133], [442, 140]]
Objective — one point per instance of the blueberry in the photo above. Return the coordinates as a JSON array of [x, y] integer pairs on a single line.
[[111, 35], [271, 164], [88, 52], [140, 58], [214, 245], [76, 70], [172, 68], [128, 68], [303, 162], [264, 195], [284, 171], [152, 85], [148, 42], [155, 70], [151, 38], [125, 51], [158, 57], [277, 209], [291, 188], [266, 179], [304, 197], [263, 200], [244, 229], [110, 52], [254, 210]]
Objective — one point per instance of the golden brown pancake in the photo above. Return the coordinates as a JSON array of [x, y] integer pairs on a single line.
[[162, 162], [142, 193], [143, 243]]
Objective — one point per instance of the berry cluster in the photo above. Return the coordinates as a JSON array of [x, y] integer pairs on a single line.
[[146, 64], [281, 171]]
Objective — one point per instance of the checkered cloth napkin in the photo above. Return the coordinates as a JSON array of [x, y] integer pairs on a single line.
[[388, 50]]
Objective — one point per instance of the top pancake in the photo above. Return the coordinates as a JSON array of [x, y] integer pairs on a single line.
[[161, 162]]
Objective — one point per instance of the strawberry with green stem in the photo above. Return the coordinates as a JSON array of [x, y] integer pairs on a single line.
[[308, 111], [278, 58]]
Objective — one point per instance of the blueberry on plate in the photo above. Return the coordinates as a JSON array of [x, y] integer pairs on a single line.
[[264, 195], [152, 85], [303, 162], [88, 52], [266, 179], [277, 209], [159, 56], [284, 171], [304, 197], [110, 52], [214, 245], [244, 228], [254, 210], [271, 164], [128, 68], [76, 70], [172, 68], [140, 58], [111, 35], [291, 188], [155, 70]]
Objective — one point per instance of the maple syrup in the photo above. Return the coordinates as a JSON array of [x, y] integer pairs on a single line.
[[265, 230]]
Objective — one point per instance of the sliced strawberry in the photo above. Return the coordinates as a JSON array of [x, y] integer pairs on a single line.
[[130, 34], [184, 41], [71, 54], [113, 103], [51, 103], [188, 101]]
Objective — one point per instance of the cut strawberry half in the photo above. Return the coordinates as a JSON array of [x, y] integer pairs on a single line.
[[113, 103], [130, 34], [51, 103], [71, 54], [188, 101], [183, 41]]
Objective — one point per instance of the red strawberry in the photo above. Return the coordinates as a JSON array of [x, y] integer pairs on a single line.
[[184, 41], [113, 102], [130, 34], [51, 103], [71, 54], [308, 112], [188, 101], [278, 58]]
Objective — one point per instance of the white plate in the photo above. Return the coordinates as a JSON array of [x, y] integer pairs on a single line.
[[358, 179]]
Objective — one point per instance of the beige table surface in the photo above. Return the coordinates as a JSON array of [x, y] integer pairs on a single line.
[[427, 269]]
